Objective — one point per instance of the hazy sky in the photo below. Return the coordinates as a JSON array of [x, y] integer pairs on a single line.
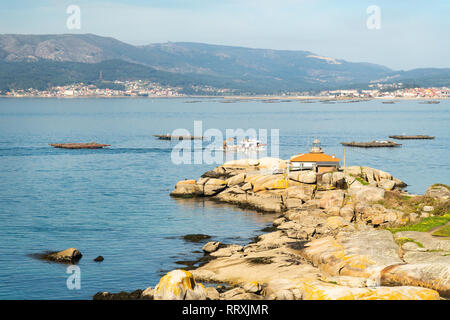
[[413, 34]]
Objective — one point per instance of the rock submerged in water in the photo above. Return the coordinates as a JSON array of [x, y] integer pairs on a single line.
[[196, 237], [123, 295], [99, 259], [70, 255]]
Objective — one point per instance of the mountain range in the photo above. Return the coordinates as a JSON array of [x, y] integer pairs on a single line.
[[39, 61]]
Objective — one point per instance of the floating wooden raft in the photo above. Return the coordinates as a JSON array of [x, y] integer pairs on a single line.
[[170, 137], [403, 137], [372, 144], [430, 102], [90, 145]]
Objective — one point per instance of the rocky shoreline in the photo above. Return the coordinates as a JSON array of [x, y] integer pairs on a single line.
[[339, 235]]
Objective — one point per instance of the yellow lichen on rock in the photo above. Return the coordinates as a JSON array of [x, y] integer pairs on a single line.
[[179, 285], [331, 256], [279, 183], [307, 289], [336, 222], [181, 182]]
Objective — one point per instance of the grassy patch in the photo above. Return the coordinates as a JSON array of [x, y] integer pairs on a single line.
[[443, 232], [402, 241], [414, 204], [361, 180], [424, 225]]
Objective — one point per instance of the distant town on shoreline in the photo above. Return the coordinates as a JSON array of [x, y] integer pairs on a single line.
[[143, 88]]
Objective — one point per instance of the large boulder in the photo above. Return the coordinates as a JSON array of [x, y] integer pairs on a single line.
[[438, 191], [334, 198], [211, 246], [333, 179], [369, 194], [237, 179], [304, 192], [277, 183], [267, 182], [233, 194], [240, 163], [271, 163], [213, 186], [386, 184], [179, 285], [308, 176], [347, 212], [268, 201], [186, 188]]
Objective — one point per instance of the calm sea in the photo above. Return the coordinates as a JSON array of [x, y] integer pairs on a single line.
[[115, 202]]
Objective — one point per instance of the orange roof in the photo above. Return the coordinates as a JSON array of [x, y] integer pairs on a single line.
[[314, 157]]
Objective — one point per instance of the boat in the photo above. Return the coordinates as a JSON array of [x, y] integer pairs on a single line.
[[271, 101], [430, 102], [171, 137], [90, 145], [372, 144], [404, 137], [245, 145], [388, 102]]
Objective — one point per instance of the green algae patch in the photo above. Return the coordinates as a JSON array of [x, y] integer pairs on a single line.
[[425, 224], [443, 232], [402, 241]]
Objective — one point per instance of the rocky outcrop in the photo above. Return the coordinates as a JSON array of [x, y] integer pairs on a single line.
[[252, 183], [303, 176], [329, 232]]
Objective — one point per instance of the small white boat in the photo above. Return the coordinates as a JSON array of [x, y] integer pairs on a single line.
[[245, 145]]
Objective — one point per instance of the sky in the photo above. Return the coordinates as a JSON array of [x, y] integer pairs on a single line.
[[406, 34]]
